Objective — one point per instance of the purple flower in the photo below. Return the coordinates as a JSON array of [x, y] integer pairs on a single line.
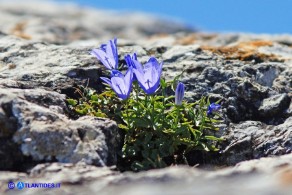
[[132, 61], [213, 108], [107, 54], [149, 75], [179, 93], [119, 83]]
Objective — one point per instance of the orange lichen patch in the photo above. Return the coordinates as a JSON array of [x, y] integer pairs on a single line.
[[245, 51], [158, 36], [11, 66], [186, 40], [18, 30], [286, 177], [255, 44]]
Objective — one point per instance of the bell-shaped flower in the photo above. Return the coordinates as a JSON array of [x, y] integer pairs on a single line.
[[213, 108], [132, 61], [149, 76], [179, 93], [107, 54], [119, 83]]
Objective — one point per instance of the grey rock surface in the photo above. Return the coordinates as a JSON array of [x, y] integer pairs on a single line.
[[253, 139], [41, 65], [274, 105], [35, 122], [262, 176]]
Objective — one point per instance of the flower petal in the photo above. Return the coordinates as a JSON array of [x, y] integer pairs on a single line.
[[102, 56], [103, 47], [135, 57], [107, 80], [133, 62], [129, 76], [116, 73], [118, 85], [140, 77], [149, 78], [112, 53], [213, 108], [128, 81]]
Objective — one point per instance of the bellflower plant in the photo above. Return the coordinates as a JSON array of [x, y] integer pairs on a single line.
[[159, 130], [107, 54], [179, 93]]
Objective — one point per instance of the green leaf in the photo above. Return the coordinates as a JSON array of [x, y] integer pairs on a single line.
[[122, 126], [94, 97], [72, 102], [163, 83], [210, 137]]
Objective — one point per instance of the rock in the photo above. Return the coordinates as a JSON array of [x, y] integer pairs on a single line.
[[266, 74], [27, 18], [274, 106], [55, 65], [262, 176], [179, 51], [44, 132], [253, 140]]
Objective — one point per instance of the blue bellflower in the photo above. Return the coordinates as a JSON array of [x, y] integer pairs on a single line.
[[129, 60], [213, 108], [148, 76], [107, 54], [119, 83], [179, 93], [132, 61]]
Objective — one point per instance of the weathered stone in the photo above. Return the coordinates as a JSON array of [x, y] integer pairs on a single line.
[[44, 132], [274, 106], [253, 139], [266, 75], [262, 176]]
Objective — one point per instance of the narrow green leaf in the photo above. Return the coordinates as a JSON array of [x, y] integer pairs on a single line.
[[72, 102]]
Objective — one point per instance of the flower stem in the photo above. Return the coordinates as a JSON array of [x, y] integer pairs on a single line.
[[177, 119], [127, 112], [163, 108], [153, 111]]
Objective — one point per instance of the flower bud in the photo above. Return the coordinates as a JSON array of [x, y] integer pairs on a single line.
[[179, 93]]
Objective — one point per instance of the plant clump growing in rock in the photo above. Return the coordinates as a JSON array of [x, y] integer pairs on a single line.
[[159, 129]]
